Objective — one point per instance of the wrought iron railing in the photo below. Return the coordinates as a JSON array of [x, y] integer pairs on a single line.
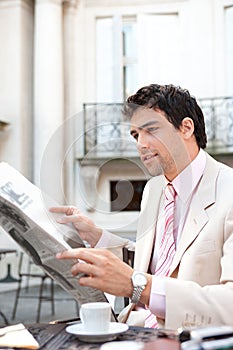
[[106, 132], [218, 114]]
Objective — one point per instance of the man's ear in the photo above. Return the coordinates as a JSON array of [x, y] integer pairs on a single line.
[[187, 128]]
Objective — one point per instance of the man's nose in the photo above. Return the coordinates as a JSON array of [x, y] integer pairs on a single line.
[[142, 141]]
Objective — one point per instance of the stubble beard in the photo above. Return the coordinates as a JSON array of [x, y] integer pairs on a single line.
[[155, 169], [161, 167]]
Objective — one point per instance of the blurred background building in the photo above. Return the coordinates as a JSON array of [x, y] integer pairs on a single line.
[[66, 66]]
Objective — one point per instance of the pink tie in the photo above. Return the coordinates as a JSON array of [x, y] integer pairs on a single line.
[[166, 250]]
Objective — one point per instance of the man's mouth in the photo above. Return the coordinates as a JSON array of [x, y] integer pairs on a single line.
[[148, 157]]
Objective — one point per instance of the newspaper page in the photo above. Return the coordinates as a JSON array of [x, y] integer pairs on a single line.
[[25, 217]]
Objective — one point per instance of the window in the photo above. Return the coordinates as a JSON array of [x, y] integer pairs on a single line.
[[159, 48], [229, 48], [104, 60], [116, 58], [130, 69], [136, 50], [126, 195]]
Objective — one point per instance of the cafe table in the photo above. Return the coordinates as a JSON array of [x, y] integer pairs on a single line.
[[55, 337]]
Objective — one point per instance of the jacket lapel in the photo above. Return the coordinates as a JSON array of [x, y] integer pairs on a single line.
[[197, 217], [147, 223]]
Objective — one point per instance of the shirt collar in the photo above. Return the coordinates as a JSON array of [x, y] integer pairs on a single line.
[[185, 183]]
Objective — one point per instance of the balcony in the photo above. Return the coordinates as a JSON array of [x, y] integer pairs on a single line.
[[106, 132], [218, 114]]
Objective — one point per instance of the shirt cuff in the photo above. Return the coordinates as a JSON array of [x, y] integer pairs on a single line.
[[157, 304], [103, 242]]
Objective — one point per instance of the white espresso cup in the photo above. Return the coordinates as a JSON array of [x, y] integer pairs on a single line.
[[96, 316]]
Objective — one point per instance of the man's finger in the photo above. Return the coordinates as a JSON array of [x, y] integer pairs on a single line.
[[88, 281], [86, 269], [68, 218], [88, 255], [61, 209]]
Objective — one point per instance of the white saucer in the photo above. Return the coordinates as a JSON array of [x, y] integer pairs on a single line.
[[115, 328]]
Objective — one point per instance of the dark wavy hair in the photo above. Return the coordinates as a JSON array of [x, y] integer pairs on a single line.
[[175, 102]]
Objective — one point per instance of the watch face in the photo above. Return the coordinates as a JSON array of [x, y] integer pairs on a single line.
[[140, 279]]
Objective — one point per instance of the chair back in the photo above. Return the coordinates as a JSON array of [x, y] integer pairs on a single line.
[[27, 267]]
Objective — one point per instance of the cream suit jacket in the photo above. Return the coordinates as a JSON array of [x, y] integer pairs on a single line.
[[199, 290]]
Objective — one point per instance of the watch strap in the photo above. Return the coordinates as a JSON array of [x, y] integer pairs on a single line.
[[137, 292]]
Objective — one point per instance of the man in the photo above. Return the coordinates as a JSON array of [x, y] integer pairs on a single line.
[[197, 287]]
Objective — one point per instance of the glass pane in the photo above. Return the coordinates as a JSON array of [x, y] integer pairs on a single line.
[[129, 40], [104, 59], [159, 59], [126, 195], [130, 79], [229, 48], [130, 67]]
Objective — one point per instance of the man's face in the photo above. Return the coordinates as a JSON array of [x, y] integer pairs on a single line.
[[159, 143]]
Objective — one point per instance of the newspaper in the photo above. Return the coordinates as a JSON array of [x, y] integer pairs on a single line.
[[24, 215]]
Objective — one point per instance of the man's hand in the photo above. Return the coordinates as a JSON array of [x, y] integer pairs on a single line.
[[104, 270], [85, 226]]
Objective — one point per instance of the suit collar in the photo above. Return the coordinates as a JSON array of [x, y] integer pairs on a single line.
[[185, 183]]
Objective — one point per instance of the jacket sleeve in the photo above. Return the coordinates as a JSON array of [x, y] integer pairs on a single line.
[[114, 243], [192, 303]]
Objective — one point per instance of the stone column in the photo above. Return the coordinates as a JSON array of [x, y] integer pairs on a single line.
[[16, 67], [48, 96], [71, 93]]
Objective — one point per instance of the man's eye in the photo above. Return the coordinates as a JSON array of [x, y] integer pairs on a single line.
[[151, 130], [135, 136]]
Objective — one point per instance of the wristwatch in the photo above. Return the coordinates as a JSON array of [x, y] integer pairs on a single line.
[[139, 282]]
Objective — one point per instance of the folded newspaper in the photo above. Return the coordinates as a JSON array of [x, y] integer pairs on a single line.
[[24, 215]]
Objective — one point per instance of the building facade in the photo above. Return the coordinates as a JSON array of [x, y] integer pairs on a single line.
[[66, 66]]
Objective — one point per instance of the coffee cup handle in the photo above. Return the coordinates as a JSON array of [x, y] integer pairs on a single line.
[[81, 314]]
